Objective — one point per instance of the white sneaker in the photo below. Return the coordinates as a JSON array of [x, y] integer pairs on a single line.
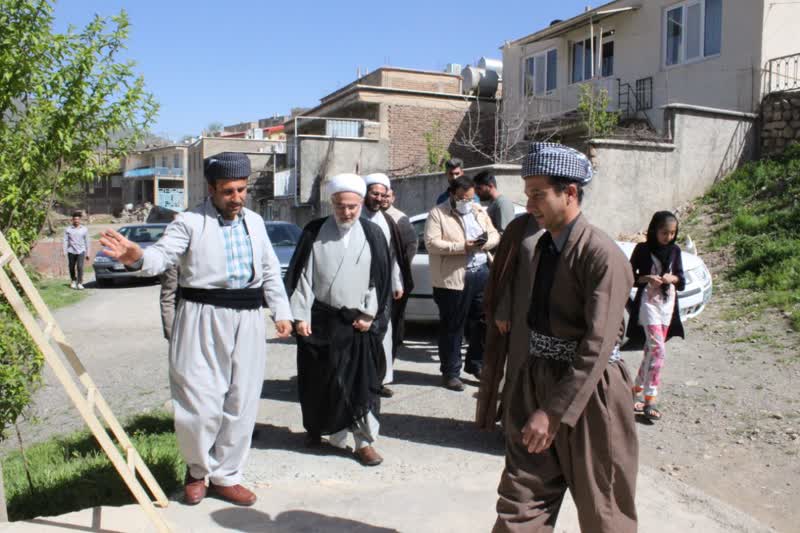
[[73, 285], [80, 286]]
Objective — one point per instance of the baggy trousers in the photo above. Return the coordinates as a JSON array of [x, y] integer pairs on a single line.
[[597, 460], [217, 361]]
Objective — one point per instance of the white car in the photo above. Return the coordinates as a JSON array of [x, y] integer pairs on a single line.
[[421, 308]]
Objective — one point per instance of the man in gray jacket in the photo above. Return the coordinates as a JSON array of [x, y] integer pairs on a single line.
[[227, 270]]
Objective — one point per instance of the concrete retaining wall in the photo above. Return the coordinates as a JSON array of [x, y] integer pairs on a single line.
[[633, 179]]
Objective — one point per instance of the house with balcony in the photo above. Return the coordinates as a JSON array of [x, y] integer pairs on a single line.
[[264, 155], [156, 175], [648, 55], [687, 76], [385, 121]]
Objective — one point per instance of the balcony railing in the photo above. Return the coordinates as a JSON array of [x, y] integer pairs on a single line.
[[782, 74], [154, 171]]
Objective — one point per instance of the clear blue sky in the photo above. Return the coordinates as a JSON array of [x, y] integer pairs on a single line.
[[237, 60]]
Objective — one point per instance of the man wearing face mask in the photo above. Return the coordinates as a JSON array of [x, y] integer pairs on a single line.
[[459, 236]]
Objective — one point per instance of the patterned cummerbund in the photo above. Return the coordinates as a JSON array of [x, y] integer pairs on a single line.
[[547, 347]]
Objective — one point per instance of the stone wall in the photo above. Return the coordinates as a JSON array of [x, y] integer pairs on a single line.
[[780, 121]]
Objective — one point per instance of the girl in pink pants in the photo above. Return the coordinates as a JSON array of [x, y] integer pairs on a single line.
[[658, 271]]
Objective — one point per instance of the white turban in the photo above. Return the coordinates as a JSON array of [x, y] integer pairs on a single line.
[[347, 183], [378, 178]]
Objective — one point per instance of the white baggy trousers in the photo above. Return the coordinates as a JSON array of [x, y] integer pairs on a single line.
[[217, 359]]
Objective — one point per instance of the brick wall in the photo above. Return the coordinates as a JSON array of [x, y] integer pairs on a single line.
[[421, 81], [407, 127]]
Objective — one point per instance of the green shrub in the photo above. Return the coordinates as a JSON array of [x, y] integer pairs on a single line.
[[760, 208]]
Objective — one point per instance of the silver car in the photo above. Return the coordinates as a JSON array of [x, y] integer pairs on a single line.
[[107, 270]]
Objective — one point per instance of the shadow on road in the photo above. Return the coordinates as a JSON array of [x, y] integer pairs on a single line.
[[254, 521], [445, 432]]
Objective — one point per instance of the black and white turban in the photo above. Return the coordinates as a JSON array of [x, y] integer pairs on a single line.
[[557, 160]]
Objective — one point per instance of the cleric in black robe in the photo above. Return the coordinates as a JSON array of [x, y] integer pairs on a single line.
[[339, 286]]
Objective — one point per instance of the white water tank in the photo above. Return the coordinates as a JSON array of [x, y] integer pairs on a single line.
[[479, 82], [487, 63]]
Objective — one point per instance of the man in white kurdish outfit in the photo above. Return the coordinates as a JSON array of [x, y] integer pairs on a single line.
[[378, 187], [217, 354], [339, 285]]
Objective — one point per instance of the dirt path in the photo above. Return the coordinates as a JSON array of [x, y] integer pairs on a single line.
[[731, 421], [440, 474]]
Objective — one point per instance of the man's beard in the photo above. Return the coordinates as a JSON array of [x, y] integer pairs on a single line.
[[344, 226]]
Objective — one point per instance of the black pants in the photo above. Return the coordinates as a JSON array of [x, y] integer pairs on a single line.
[[76, 267], [398, 323], [457, 310]]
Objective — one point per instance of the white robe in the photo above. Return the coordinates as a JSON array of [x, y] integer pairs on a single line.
[[338, 273], [379, 219], [217, 355]]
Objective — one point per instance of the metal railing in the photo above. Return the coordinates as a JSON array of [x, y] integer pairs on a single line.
[[633, 101], [782, 74]]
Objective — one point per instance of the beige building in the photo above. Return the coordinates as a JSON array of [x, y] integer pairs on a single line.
[[652, 53], [262, 154], [156, 175], [390, 121]]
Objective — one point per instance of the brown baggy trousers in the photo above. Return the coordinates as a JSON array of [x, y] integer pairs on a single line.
[[597, 460]]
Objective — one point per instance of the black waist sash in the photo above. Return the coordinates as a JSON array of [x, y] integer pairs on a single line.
[[231, 298]]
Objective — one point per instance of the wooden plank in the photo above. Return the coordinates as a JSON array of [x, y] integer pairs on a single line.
[[72, 358], [52, 358]]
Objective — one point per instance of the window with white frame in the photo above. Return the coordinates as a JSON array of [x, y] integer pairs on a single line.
[[539, 73], [584, 56], [692, 31]]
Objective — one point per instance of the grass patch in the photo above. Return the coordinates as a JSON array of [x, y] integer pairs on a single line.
[[71, 473], [756, 337], [759, 218], [57, 293]]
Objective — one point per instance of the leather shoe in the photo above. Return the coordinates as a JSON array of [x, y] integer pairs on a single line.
[[194, 490], [454, 384], [367, 456], [385, 392], [236, 494], [313, 440]]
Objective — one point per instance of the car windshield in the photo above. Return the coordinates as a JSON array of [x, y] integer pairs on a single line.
[[283, 234], [142, 233]]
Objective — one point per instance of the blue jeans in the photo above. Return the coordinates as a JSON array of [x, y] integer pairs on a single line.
[[457, 310]]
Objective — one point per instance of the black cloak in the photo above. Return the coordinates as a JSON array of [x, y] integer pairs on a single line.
[[340, 369]]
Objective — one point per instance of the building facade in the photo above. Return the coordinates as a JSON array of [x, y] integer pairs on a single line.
[[649, 54], [156, 175], [392, 120]]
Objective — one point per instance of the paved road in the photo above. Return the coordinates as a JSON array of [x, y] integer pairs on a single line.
[[439, 473]]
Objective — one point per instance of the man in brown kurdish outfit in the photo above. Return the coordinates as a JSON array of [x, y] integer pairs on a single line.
[[556, 302]]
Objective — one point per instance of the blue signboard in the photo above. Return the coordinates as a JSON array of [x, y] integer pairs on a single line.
[[170, 198]]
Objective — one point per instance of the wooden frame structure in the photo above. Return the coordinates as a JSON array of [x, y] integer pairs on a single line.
[[50, 339]]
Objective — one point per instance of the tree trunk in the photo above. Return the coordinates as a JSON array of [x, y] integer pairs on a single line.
[[3, 512]]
